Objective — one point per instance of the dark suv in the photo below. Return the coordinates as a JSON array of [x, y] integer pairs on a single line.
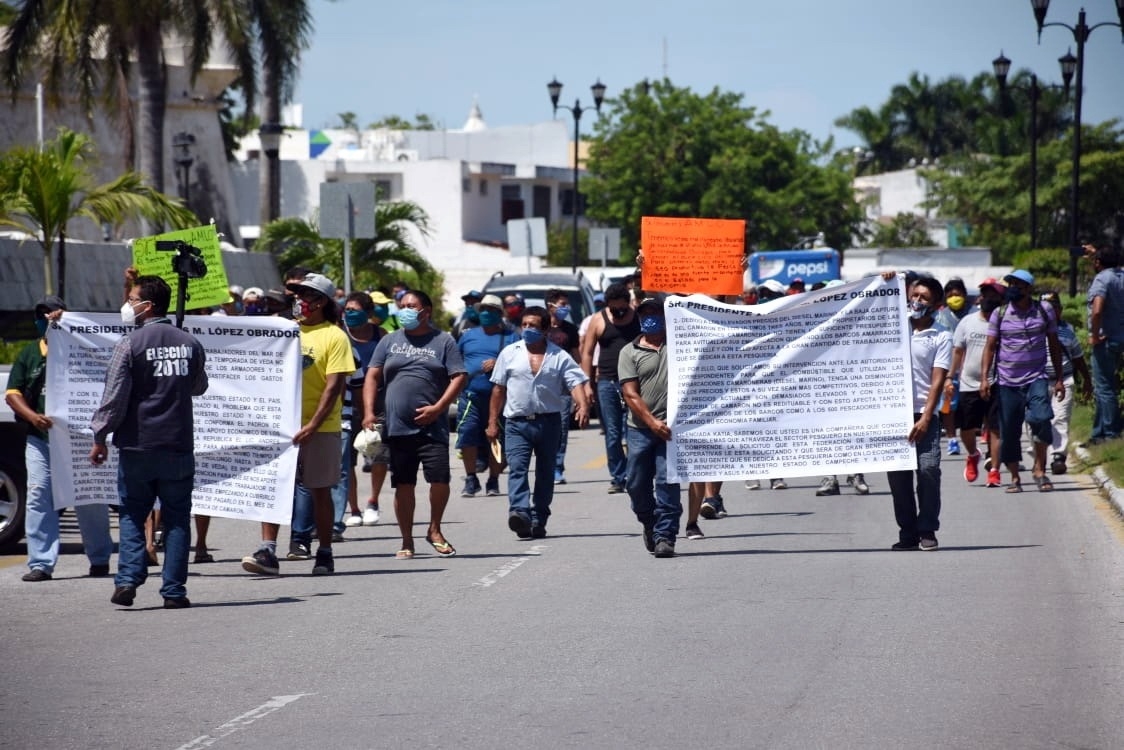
[[534, 286]]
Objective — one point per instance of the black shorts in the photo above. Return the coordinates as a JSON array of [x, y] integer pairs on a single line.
[[973, 412], [408, 451]]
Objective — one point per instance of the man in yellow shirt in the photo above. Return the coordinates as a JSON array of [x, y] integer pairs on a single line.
[[327, 361]]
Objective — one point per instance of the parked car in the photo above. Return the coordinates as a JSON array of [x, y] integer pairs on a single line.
[[534, 286], [13, 475]]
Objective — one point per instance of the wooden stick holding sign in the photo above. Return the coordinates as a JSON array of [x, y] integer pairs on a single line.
[[693, 256]]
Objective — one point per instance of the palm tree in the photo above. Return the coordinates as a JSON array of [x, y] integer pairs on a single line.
[[294, 242], [92, 43], [41, 192]]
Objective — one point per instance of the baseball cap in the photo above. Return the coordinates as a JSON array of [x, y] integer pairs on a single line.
[[1020, 275], [50, 303], [518, 300], [379, 298], [489, 300], [315, 282], [253, 291], [473, 296], [991, 283], [650, 303], [772, 285]]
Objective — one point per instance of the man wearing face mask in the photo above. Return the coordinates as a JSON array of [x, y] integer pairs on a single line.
[[1020, 335], [422, 372], [479, 348], [27, 397], [469, 318], [151, 378], [611, 330], [973, 411], [565, 334], [1105, 302], [253, 302], [381, 314], [513, 306], [529, 378]]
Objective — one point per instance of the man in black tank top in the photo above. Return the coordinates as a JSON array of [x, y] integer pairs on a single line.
[[616, 326]]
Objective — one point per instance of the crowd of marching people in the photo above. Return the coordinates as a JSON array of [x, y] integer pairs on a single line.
[[991, 373]]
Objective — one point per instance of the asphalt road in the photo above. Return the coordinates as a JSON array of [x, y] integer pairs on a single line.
[[791, 625]]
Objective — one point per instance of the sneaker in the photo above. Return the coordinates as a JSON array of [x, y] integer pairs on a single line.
[[325, 564], [993, 478], [538, 532], [778, 484], [858, 481], [953, 447], [262, 562], [709, 509], [721, 508], [299, 551], [929, 543], [355, 519], [520, 524], [36, 575], [492, 487], [337, 536], [371, 515], [903, 546], [972, 467], [829, 486], [1057, 466], [694, 532], [471, 486], [615, 489], [649, 542], [664, 548], [123, 596], [753, 484], [180, 602], [558, 477]]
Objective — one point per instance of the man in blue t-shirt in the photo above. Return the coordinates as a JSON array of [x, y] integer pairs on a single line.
[[479, 347]]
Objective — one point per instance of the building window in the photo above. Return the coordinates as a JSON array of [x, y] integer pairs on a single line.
[[511, 192], [382, 190], [466, 185], [483, 187], [566, 198]]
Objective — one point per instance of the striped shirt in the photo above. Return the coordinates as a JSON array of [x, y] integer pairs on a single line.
[[1022, 351]]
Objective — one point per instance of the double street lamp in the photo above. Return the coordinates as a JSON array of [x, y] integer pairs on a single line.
[[183, 146], [1002, 66], [554, 88], [1081, 33]]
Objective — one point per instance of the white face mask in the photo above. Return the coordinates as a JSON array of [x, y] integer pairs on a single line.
[[128, 314]]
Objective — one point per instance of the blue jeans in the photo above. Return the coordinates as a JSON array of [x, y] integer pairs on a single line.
[[918, 513], [148, 475], [567, 410], [1106, 414], [612, 410], [654, 501], [523, 438], [41, 520], [1016, 403], [304, 517], [339, 492]]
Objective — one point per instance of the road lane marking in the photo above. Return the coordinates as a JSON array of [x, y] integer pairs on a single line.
[[276, 703], [494, 577]]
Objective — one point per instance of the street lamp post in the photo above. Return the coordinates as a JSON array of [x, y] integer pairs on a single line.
[[554, 88], [1080, 33], [1001, 66], [183, 144], [270, 183]]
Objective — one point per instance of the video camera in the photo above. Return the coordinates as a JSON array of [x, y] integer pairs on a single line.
[[188, 261]]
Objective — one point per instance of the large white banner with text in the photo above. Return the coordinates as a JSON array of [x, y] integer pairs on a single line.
[[245, 460], [810, 384]]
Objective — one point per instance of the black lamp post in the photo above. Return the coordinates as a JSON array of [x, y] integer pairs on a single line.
[[183, 144], [555, 90], [1081, 33], [270, 183], [1001, 65]]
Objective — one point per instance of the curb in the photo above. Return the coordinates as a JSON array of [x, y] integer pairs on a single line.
[[1108, 488]]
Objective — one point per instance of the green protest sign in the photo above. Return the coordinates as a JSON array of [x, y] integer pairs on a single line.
[[212, 289]]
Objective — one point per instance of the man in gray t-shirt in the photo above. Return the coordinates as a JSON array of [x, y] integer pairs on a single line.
[[642, 370], [1106, 338]]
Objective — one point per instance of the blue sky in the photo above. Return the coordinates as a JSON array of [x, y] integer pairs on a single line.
[[807, 61]]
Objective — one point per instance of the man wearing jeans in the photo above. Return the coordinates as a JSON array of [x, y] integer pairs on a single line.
[[1106, 338], [1020, 333], [612, 329], [528, 379], [642, 368], [152, 376]]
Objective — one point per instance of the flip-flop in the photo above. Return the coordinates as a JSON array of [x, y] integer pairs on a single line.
[[1014, 487], [1044, 484], [404, 554], [203, 557], [442, 548]]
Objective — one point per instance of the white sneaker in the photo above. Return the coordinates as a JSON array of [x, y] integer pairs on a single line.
[[355, 519], [753, 484], [370, 516]]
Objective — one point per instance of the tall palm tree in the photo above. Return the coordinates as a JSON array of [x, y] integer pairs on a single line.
[[92, 44], [41, 192]]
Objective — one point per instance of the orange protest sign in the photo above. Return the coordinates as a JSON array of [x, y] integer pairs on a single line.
[[692, 256]]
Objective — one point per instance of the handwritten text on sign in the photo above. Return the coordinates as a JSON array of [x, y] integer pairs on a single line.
[[210, 290], [693, 256]]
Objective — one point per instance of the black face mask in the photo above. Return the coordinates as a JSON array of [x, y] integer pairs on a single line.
[[987, 306], [1014, 294], [618, 312]]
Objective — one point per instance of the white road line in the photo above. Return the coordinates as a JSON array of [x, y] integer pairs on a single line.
[[494, 577], [241, 722]]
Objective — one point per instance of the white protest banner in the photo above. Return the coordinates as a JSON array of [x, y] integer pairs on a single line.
[[810, 384], [245, 461]]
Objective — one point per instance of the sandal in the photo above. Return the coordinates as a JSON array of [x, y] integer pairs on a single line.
[[1014, 487], [203, 557], [442, 548], [1044, 483], [404, 554]]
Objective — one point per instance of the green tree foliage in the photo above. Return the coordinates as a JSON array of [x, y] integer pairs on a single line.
[[667, 151], [905, 230], [396, 122], [348, 121], [41, 192]]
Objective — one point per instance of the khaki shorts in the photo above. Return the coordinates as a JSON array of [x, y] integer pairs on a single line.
[[319, 459]]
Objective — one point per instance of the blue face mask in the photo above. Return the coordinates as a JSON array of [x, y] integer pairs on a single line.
[[354, 318], [471, 315], [381, 312], [918, 310], [651, 324], [532, 336], [41, 326], [408, 317], [562, 313], [489, 318]]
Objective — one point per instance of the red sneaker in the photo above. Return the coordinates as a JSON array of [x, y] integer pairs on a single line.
[[972, 467], [993, 479]]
